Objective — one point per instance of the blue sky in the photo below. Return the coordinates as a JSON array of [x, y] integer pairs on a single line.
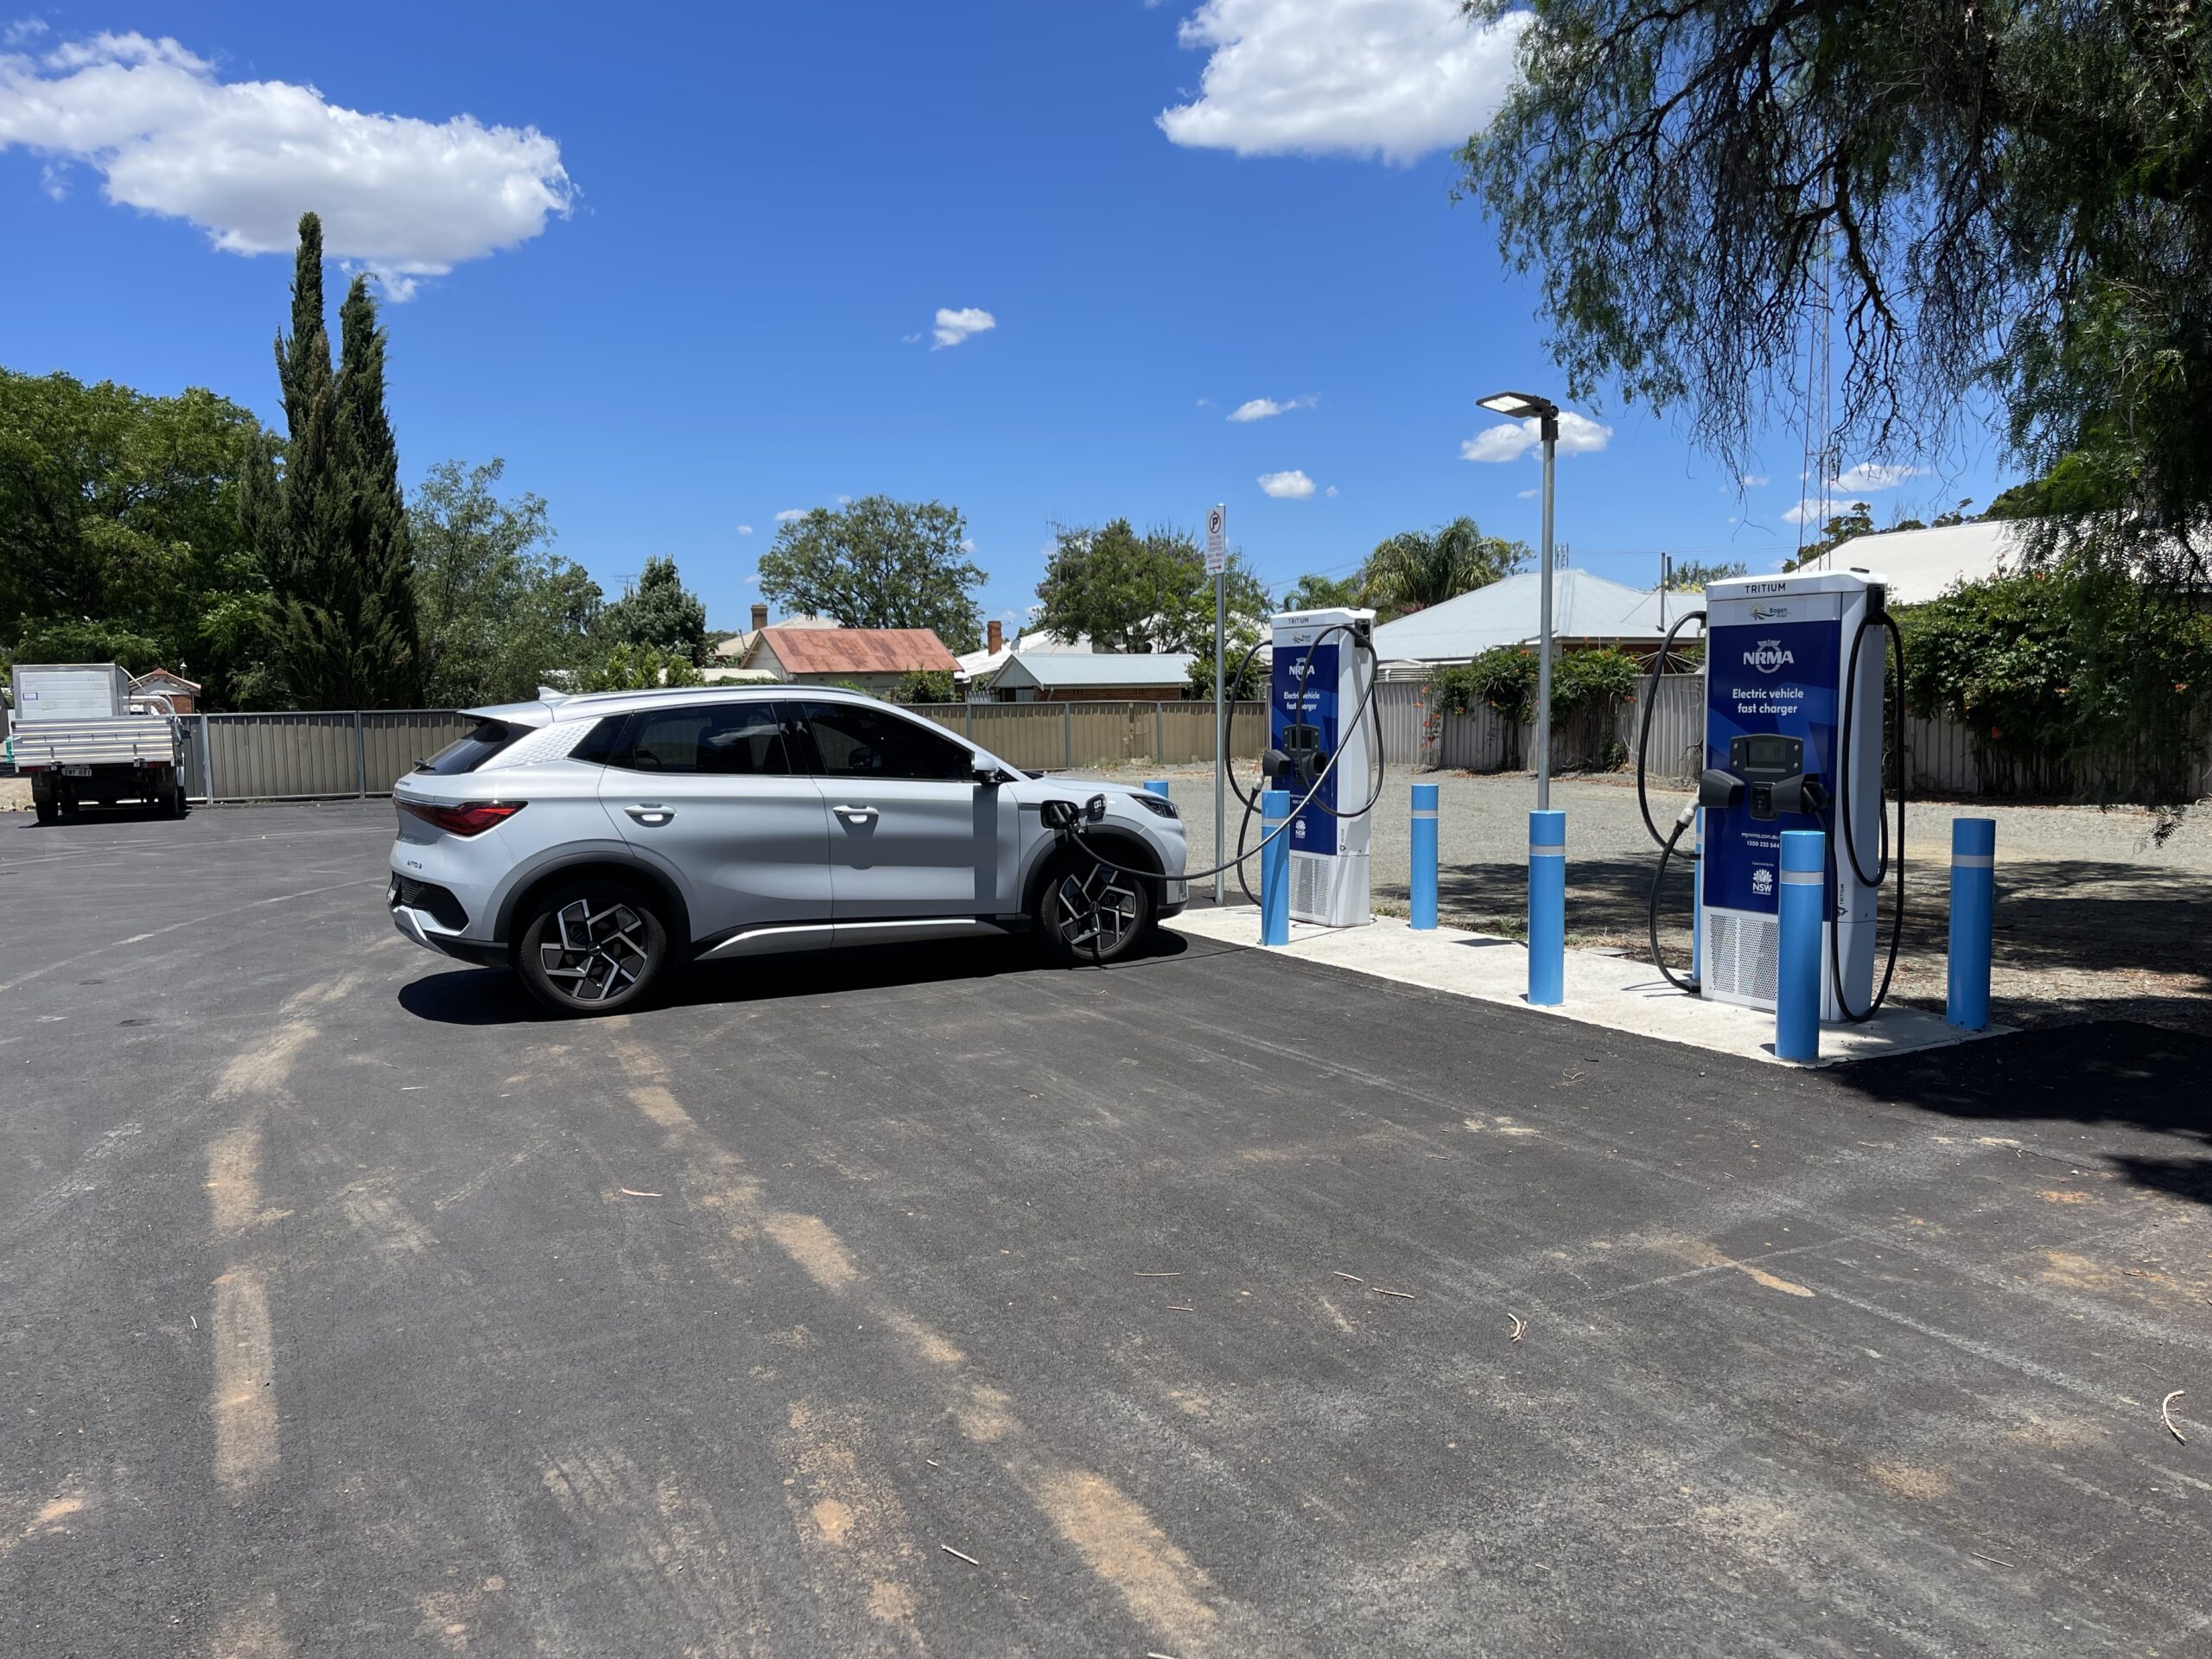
[[683, 267]]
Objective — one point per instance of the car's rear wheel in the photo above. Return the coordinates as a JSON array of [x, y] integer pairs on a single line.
[[1091, 913], [592, 947]]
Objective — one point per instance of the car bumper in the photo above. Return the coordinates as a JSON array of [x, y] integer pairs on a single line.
[[425, 930]]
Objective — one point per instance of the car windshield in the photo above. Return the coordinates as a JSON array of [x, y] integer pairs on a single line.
[[466, 754]]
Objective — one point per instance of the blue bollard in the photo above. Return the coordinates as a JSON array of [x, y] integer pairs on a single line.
[[1548, 908], [1156, 785], [1801, 908], [1697, 900], [1275, 868], [1424, 855], [1973, 911]]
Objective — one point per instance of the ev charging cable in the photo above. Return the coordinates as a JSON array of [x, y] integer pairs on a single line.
[[1843, 782], [1252, 801], [1667, 843]]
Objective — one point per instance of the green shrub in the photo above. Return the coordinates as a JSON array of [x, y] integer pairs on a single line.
[[924, 686], [2071, 682]]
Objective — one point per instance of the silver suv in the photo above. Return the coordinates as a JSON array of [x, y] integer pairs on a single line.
[[590, 842]]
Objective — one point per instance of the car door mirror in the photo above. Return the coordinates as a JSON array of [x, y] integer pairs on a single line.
[[985, 774]]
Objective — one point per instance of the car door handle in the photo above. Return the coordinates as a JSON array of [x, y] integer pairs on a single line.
[[853, 811], [651, 814]]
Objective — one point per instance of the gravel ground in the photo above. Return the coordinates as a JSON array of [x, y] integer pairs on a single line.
[[2097, 917]]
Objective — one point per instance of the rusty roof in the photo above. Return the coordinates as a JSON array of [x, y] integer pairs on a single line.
[[857, 651]]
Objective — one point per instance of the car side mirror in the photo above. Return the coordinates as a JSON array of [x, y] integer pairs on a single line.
[[986, 776]]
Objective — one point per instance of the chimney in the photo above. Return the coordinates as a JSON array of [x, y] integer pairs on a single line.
[[995, 638], [760, 617]]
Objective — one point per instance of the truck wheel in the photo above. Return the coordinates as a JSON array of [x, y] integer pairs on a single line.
[[1088, 912], [591, 948], [45, 809], [172, 802]]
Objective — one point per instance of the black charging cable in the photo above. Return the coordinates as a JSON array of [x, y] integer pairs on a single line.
[[1843, 781], [1667, 843]]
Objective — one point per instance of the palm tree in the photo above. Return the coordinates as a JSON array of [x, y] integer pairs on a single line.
[[1416, 569]]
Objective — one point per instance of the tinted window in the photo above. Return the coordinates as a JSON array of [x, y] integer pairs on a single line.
[[855, 741], [598, 745], [466, 754], [736, 739]]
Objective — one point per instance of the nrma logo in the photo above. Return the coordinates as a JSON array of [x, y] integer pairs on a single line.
[[1767, 657]]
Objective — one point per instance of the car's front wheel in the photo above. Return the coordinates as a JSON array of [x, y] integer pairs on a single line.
[[592, 947], [1091, 913]]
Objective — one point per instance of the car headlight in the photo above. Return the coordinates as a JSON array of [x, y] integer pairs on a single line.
[[1158, 805]]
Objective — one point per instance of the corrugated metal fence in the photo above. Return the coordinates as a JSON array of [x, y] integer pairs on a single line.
[[318, 756], [310, 756]]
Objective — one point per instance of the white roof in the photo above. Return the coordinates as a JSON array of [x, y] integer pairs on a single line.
[[1509, 613], [1923, 564], [981, 664], [1056, 670]]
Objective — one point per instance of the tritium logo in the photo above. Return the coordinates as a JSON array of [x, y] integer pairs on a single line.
[[1768, 657]]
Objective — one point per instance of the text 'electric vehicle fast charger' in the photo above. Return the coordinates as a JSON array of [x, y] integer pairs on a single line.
[[593, 842]]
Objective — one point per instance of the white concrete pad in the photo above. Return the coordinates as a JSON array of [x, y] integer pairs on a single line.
[[1616, 992]]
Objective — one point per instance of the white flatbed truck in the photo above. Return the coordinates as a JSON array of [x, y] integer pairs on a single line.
[[82, 738]]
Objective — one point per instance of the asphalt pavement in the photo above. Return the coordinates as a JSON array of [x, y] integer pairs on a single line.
[[933, 1300]]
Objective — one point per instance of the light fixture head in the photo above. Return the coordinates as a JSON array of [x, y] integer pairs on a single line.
[[1519, 405]]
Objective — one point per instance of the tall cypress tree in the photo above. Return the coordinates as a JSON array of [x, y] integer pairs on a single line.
[[331, 529]]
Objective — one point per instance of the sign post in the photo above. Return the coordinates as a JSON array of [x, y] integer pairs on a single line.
[[1217, 564]]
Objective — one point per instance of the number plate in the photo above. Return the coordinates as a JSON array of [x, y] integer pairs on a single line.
[[76, 771]]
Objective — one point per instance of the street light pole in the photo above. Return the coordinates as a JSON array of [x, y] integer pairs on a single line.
[[1523, 406], [1544, 627]]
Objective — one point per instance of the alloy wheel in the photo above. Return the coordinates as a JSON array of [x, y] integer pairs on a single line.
[[601, 952], [1098, 911]]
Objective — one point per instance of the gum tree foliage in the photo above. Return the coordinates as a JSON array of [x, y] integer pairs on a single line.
[[2004, 196], [1313, 593], [498, 612], [617, 666], [880, 563], [1688, 576], [120, 537], [330, 527], [660, 613], [1416, 569], [1138, 593]]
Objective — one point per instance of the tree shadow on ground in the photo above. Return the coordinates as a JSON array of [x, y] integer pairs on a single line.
[[2104, 1073], [492, 996], [2064, 922]]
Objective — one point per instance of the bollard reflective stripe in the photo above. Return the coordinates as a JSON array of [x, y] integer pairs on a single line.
[[1424, 812], [1548, 908], [1973, 908], [1800, 916]]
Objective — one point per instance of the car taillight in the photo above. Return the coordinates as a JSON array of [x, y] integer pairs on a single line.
[[472, 819]]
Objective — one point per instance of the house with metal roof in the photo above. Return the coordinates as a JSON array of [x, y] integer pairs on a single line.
[[872, 659], [1923, 564], [1051, 677], [1586, 611]]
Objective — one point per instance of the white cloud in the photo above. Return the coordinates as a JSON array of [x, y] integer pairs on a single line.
[[1205, 403], [844, 500], [745, 530], [791, 514], [1292, 486], [1801, 513], [1332, 490], [967, 544], [1869, 476], [1578, 436], [953, 327], [1393, 79], [1528, 494], [1261, 409], [1752, 480], [242, 160]]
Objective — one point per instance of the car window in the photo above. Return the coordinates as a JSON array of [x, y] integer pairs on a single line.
[[854, 741], [598, 745], [737, 740], [466, 754]]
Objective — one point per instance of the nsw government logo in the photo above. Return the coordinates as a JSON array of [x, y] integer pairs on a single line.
[[1768, 657], [1763, 882]]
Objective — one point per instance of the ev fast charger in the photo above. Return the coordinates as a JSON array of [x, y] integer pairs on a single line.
[[1328, 855], [1777, 651]]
